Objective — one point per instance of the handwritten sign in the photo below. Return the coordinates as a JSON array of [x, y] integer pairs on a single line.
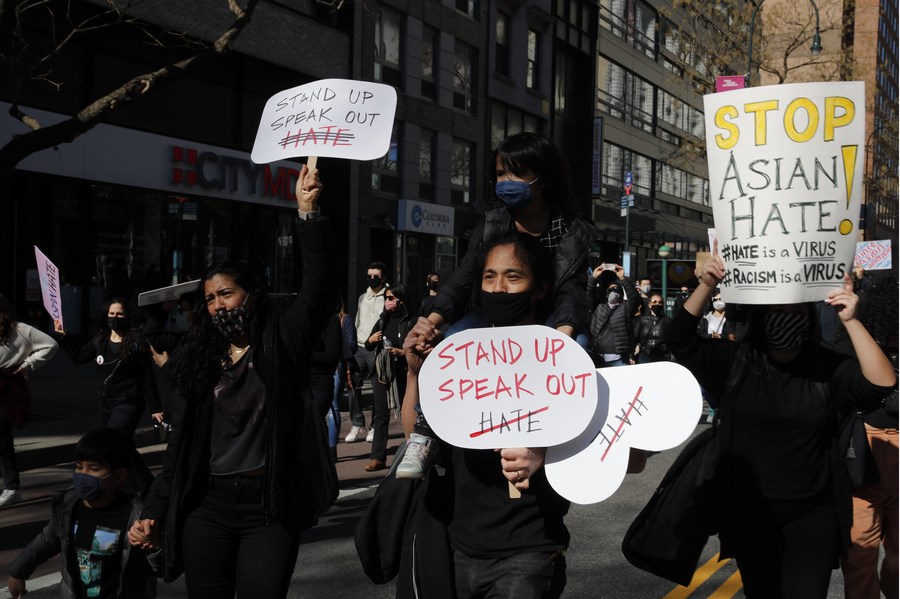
[[339, 118], [49, 278], [873, 255], [525, 386], [648, 406], [786, 177]]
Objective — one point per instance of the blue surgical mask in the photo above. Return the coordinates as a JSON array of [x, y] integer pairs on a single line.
[[86, 486], [515, 194]]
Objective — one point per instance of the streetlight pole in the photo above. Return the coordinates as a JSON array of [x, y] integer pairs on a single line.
[[664, 252], [816, 47]]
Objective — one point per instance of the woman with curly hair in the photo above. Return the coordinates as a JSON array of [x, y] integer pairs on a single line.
[[127, 382], [22, 349], [248, 466]]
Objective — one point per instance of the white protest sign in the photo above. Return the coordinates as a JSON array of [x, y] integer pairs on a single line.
[[785, 180], [649, 406], [523, 386], [48, 275], [338, 118], [873, 255]]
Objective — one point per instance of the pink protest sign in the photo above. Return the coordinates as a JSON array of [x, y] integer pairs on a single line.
[[873, 255], [725, 83], [525, 386], [49, 278]]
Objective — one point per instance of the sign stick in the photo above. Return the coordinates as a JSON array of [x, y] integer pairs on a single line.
[[311, 162], [514, 493]]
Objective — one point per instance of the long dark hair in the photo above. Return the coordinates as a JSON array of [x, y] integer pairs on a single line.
[[529, 251], [536, 154], [197, 362], [7, 319]]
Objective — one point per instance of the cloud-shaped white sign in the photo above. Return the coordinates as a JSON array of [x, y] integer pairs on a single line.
[[648, 406]]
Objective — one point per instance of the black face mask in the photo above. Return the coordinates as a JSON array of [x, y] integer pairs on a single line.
[[374, 282], [117, 324], [505, 309], [786, 330], [233, 323], [432, 285], [657, 310]]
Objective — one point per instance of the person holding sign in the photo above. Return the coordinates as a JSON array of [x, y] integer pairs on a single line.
[[532, 196], [782, 487], [124, 364], [506, 542], [248, 466], [22, 349]]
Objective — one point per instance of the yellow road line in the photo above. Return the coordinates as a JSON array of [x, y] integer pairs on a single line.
[[729, 588], [702, 574]]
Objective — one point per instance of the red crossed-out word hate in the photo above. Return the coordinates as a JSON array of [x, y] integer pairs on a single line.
[[329, 135]]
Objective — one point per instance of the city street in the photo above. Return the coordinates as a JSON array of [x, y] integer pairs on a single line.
[[328, 565]]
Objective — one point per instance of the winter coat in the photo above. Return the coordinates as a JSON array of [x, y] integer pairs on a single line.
[[569, 269], [137, 580], [297, 489]]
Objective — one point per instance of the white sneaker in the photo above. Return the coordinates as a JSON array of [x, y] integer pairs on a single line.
[[353, 437], [417, 458], [371, 436], [9, 497]]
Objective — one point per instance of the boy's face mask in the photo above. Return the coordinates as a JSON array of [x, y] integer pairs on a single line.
[[86, 486]]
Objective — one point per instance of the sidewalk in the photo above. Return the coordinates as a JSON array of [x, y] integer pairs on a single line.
[[64, 408]]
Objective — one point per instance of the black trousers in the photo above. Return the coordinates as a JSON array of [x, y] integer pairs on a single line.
[[8, 465], [228, 548], [784, 549]]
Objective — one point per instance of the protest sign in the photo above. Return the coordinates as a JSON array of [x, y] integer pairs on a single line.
[[873, 255], [649, 406], [48, 275], [168, 294], [338, 118], [785, 178], [523, 386]]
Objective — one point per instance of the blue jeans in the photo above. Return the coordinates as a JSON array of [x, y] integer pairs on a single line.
[[533, 575], [334, 413]]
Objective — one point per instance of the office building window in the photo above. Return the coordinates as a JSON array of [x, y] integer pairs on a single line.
[[429, 62], [532, 75], [464, 61], [506, 121], [624, 95], [501, 47], [461, 171], [468, 7], [426, 172], [387, 47], [386, 170]]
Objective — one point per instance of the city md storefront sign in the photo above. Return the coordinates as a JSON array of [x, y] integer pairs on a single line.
[[421, 217], [120, 156]]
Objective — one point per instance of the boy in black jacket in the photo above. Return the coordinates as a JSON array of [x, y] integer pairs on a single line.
[[87, 527]]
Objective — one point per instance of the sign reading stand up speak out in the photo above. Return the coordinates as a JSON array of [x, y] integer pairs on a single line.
[[785, 180], [337, 118]]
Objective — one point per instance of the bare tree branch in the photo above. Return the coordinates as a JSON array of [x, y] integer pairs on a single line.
[[41, 138]]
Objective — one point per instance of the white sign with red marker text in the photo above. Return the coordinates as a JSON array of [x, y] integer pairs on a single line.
[[532, 386], [337, 118]]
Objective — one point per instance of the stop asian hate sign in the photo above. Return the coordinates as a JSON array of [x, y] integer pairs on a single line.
[[524, 386]]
